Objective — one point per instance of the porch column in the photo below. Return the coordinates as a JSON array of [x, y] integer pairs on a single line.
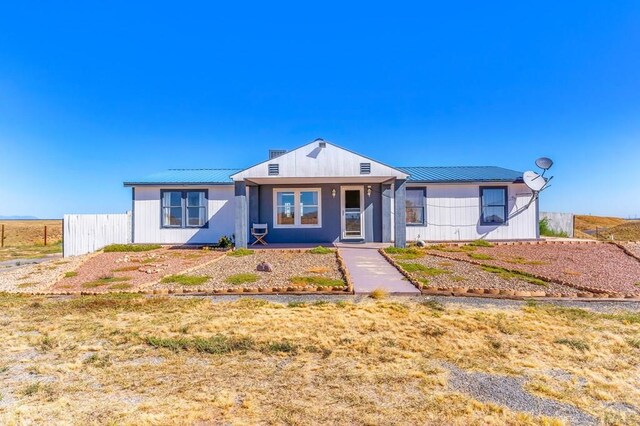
[[400, 216], [241, 216], [254, 205], [386, 213]]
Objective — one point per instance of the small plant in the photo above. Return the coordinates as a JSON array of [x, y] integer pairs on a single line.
[[379, 294], [318, 270], [480, 243], [480, 256], [296, 304], [130, 247], [284, 346], [70, 274], [220, 344], [46, 343], [121, 286], [225, 242], [506, 274], [103, 280], [434, 305], [320, 250], [421, 269], [31, 389], [185, 279], [547, 231], [172, 344], [240, 252], [316, 281], [126, 269], [519, 260], [242, 278], [573, 343]]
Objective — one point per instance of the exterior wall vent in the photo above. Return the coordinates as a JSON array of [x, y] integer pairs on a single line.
[[274, 169], [365, 168], [322, 144], [273, 153]]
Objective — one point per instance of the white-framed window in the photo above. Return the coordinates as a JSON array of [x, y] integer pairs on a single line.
[[297, 208], [183, 209]]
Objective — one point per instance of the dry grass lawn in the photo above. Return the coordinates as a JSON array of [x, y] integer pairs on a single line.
[[134, 360], [25, 238], [609, 227]]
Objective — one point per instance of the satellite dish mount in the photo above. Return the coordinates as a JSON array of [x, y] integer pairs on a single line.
[[537, 182]]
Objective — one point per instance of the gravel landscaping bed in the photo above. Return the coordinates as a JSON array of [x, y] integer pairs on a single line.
[[444, 273], [633, 247], [131, 271], [39, 277], [603, 267], [284, 263]]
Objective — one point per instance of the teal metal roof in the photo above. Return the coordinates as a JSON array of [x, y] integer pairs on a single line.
[[461, 174], [187, 177], [416, 174]]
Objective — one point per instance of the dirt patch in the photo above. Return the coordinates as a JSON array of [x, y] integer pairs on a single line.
[[241, 272], [131, 271], [600, 266]]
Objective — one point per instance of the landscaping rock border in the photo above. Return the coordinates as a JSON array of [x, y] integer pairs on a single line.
[[586, 293]]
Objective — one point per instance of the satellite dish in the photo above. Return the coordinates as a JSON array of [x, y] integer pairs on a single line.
[[544, 163], [534, 181]]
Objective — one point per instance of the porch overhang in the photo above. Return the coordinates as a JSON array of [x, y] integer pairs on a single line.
[[318, 180]]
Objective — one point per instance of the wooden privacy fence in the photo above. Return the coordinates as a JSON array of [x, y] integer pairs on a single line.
[[86, 233]]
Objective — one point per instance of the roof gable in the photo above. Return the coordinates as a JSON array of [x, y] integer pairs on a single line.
[[319, 159]]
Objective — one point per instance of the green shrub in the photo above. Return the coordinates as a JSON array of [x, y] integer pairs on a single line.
[[70, 274], [284, 346], [480, 243], [121, 286], [243, 278], [547, 231], [130, 247], [480, 256], [225, 242], [185, 279], [507, 274], [421, 269], [316, 281], [107, 279], [320, 250], [174, 344], [240, 252], [220, 344], [433, 305]]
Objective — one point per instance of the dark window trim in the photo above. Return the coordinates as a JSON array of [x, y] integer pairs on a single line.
[[183, 207], [506, 206], [424, 205]]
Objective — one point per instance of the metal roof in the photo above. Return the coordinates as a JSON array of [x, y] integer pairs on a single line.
[[187, 177], [461, 174], [457, 174]]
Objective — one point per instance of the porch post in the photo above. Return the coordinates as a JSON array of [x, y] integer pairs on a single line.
[[241, 215], [400, 217], [386, 213]]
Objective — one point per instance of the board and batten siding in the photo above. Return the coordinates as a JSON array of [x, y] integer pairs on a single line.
[[146, 217], [86, 233], [453, 213]]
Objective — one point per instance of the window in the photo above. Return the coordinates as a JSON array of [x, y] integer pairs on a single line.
[[184, 209], [493, 200], [297, 208], [414, 205]]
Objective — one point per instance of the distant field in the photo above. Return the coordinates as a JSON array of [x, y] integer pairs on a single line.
[[607, 227], [25, 238]]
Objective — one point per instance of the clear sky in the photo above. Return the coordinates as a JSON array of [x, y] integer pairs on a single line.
[[95, 93]]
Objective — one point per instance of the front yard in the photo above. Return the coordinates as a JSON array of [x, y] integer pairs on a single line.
[[133, 359]]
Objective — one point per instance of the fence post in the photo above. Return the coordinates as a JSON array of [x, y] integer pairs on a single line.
[[2, 237], [45, 235]]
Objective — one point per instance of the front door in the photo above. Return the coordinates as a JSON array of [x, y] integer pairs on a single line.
[[352, 203]]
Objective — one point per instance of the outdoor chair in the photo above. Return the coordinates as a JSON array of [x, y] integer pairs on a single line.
[[259, 232]]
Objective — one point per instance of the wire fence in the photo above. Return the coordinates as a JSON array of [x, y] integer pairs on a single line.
[[16, 233]]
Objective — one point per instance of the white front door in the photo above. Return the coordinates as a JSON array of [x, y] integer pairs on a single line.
[[352, 207]]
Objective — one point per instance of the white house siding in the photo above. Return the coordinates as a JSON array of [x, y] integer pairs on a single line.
[[146, 217], [453, 213]]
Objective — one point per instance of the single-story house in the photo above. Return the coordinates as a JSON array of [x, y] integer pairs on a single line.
[[322, 193]]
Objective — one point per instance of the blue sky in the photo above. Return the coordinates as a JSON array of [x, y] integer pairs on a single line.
[[93, 94]]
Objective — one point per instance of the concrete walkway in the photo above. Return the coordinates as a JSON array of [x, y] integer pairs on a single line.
[[369, 271]]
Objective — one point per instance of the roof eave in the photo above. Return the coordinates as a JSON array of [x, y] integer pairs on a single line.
[[129, 184]]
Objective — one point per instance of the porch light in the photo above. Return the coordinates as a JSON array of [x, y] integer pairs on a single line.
[[369, 191], [333, 193]]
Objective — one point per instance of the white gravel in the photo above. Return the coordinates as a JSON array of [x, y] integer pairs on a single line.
[[37, 277]]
